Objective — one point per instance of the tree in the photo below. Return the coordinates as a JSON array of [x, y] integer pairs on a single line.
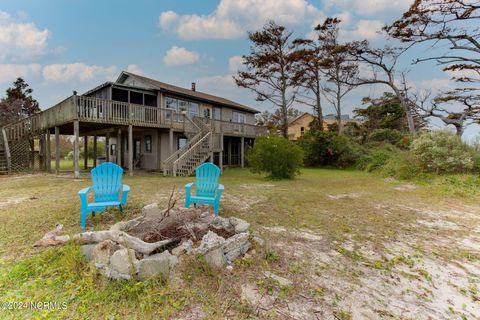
[[18, 103], [385, 112], [452, 23], [323, 59], [383, 64], [338, 70], [269, 71]]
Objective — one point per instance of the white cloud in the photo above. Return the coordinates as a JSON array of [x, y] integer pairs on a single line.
[[235, 63], [370, 7], [177, 56], [80, 71], [232, 18], [364, 29], [20, 41], [10, 72], [133, 68]]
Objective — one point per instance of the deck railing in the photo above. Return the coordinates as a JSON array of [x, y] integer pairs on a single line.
[[91, 109]]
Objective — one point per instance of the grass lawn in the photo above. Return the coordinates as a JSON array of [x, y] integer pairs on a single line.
[[353, 244]]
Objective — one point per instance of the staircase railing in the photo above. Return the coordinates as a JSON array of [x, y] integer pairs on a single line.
[[198, 150], [167, 166], [6, 149]]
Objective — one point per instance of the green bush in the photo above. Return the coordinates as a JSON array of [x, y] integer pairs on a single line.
[[401, 165], [330, 149], [276, 156], [377, 157], [443, 152], [385, 135]]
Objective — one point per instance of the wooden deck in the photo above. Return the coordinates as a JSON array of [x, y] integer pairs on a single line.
[[94, 110]]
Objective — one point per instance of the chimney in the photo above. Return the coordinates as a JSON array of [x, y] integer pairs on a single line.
[[193, 86]]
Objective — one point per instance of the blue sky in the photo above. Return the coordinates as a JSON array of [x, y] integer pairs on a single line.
[[64, 45]]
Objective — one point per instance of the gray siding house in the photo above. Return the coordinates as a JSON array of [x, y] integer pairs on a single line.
[[146, 124]]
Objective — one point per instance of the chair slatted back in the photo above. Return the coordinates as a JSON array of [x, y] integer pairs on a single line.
[[107, 182], [207, 176]]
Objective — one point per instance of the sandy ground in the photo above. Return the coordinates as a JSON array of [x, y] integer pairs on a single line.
[[410, 277]]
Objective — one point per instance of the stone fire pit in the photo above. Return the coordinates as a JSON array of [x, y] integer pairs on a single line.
[[152, 244]]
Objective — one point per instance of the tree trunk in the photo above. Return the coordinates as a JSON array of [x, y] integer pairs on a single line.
[[406, 108], [318, 106]]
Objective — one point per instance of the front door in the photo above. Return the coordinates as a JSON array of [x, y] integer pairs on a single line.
[[137, 144]]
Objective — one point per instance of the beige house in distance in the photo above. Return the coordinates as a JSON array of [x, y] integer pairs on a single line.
[[301, 124]]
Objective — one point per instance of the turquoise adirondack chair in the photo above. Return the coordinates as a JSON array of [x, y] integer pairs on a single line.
[[107, 188], [208, 190]]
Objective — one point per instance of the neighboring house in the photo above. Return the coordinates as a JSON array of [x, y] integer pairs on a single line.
[[146, 124], [301, 124]]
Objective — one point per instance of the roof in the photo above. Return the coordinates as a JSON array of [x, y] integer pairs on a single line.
[[343, 117], [165, 87], [300, 116]]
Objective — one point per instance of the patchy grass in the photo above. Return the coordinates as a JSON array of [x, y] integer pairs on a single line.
[[365, 234]]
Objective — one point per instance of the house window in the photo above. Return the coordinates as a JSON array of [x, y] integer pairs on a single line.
[[193, 109], [238, 117], [302, 131], [217, 113], [136, 97], [148, 144], [170, 104], [182, 142], [182, 105], [113, 149], [206, 113]]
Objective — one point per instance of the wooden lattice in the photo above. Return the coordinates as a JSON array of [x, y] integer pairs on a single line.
[[21, 155]]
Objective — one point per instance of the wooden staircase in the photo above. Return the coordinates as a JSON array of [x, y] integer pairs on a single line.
[[198, 149]]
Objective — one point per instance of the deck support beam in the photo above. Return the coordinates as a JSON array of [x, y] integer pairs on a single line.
[[107, 147], [76, 149], [85, 152], [220, 155], [57, 150], [229, 155], [170, 137], [94, 151], [118, 149], [242, 152], [130, 150], [48, 152]]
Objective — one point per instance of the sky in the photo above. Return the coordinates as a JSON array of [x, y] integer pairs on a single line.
[[59, 46]]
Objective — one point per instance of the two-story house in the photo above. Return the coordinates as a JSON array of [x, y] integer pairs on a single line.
[[146, 124]]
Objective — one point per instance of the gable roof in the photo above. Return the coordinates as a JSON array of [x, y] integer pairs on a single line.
[[168, 88], [299, 117]]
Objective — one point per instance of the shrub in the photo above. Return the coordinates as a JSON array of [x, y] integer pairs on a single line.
[[443, 152], [385, 135], [377, 157], [328, 148], [401, 165], [276, 156]]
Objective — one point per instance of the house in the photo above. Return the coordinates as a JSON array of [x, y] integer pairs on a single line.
[[146, 124], [301, 124]]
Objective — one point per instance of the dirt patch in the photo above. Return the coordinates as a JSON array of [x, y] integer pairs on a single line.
[[406, 187], [342, 196], [13, 200]]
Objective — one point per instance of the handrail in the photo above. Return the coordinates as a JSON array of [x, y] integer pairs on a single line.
[[190, 151], [7, 151], [174, 156]]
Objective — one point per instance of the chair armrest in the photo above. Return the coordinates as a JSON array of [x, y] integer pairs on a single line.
[[84, 191], [125, 191], [188, 186], [83, 196], [220, 190]]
